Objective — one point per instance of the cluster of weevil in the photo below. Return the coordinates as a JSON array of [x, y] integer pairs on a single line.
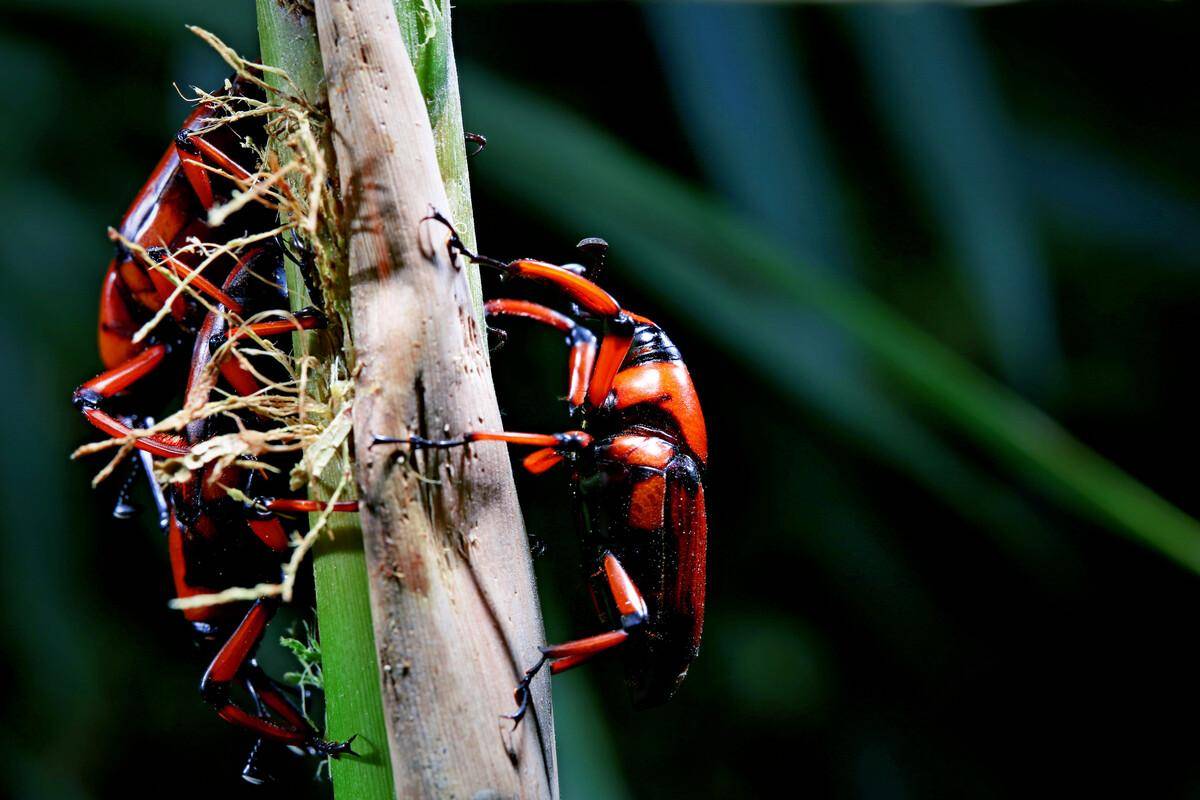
[[200, 297]]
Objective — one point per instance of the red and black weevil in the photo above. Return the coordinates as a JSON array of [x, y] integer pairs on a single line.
[[216, 542], [199, 169], [213, 542], [638, 468], [171, 207]]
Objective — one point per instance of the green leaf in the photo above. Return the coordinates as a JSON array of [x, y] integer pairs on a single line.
[[936, 95]]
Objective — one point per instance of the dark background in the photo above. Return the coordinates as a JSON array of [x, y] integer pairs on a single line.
[[895, 611]]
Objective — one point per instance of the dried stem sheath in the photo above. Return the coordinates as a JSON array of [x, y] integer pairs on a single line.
[[451, 587]]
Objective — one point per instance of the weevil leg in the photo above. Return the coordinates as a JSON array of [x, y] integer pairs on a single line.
[[298, 505], [272, 699], [590, 297], [236, 374], [306, 319], [270, 532], [117, 324], [161, 257], [553, 447], [269, 697], [226, 667], [565, 656], [216, 156], [306, 261], [160, 444], [255, 770], [263, 520], [243, 380], [587, 295], [521, 693], [263, 508], [156, 491], [121, 377], [497, 338], [123, 507], [229, 663], [196, 155], [582, 341], [476, 139], [262, 514], [89, 398], [143, 466]]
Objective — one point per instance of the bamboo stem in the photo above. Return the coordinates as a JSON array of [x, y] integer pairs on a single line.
[[352, 675], [452, 596]]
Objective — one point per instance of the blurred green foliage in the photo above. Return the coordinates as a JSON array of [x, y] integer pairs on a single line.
[[848, 219]]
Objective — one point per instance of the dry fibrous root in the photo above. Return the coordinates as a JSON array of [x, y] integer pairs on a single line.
[[307, 411]]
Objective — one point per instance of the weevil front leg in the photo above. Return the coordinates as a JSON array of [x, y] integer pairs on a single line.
[[585, 294]]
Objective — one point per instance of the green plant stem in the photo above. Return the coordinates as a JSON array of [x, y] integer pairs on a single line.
[[350, 665]]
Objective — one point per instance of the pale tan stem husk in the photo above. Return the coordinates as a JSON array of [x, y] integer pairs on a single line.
[[453, 601]]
